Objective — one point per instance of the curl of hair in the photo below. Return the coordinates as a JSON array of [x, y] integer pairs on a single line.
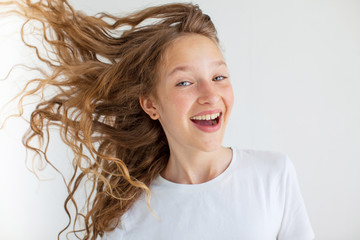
[[103, 65]]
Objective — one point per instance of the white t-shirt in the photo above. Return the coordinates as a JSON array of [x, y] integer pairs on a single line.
[[256, 198]]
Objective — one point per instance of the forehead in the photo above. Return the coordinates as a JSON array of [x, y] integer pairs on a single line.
[[189, 51]]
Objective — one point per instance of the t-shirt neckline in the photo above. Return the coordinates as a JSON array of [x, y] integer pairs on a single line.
[[162, 182]]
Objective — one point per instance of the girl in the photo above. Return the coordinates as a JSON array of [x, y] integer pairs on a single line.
[[149, 97]]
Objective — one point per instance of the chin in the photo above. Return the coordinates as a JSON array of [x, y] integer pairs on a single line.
[[210, 146]]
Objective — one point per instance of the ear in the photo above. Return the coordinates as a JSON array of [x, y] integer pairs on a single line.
[[148, 104]]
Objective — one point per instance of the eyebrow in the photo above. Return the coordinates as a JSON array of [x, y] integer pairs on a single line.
[[184, 68]]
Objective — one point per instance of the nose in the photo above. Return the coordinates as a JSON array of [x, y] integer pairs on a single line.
[[208, 93]]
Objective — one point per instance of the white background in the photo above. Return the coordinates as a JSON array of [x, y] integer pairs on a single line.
[[295, 68]]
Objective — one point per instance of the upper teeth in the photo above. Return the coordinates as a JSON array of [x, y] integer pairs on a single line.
[[206, 117]]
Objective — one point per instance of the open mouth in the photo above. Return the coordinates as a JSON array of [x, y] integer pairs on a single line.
[[207, 120]]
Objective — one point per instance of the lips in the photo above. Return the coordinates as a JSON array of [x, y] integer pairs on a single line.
[[207, 121], [211, 116]]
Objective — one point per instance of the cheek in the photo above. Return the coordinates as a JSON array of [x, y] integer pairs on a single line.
[[229, 96], [179, 97], [175, 104]]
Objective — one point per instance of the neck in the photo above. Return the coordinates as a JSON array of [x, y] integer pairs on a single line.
[[192, 166]]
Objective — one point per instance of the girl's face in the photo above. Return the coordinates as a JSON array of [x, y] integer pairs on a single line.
[[194, 95]]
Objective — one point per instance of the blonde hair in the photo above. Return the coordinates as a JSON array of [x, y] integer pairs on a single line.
[[103, 65]]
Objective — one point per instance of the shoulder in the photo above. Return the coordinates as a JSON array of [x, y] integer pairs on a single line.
[[263, 164], [262, 159]]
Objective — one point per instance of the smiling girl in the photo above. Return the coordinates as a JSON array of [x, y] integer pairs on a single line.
[[150, 101], [192, 101]]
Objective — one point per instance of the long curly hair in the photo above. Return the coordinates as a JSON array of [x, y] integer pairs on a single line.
[[100, 66]]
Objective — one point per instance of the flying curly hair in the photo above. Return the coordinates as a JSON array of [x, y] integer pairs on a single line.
[[100, 66]]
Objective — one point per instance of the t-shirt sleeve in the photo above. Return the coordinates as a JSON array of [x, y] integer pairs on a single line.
[[295, 224]]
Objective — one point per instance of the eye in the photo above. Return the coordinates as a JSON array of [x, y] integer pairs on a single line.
[[219, 78], [183, 83]]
